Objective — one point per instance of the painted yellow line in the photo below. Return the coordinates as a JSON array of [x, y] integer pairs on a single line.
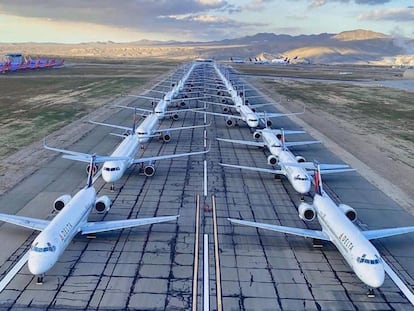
[[216, 255], [196, 242]]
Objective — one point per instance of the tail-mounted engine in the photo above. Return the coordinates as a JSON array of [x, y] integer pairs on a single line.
[[166, 137], [102, 204], [272, 160], [61, 202], [95, 168], [349, 212], [229, 122], [307, 212], [149, 169], [300, 159], [257, 135]]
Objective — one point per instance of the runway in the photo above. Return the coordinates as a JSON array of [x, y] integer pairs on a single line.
[[151, 267]]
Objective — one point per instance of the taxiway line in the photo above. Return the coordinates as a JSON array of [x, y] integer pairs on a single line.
[[216, 256], [196, 243], [16, 268], [206, 281]]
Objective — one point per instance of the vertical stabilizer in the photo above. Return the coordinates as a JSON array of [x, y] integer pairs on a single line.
[[318, 179], [91, 169], [134, 122]]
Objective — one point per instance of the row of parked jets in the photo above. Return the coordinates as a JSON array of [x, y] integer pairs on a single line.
[[73, 212], [336, 220]]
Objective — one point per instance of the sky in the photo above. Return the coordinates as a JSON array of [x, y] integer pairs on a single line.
[[74, 21]]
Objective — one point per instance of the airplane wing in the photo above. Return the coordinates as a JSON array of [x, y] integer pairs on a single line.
[[186, 98], [315, 234], [384, 233], [27, 222], [169, 156], [218, 104], [262, 115], [301, 143], [311, 165], [135, 108], [102, 226], [145, 97], [219, 114], [125, 128], [256, 169], [180, 128], [83, 157], [243, 142]]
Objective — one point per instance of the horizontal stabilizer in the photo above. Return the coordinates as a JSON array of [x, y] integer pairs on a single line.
[[242, 142], [27, 222], [315, 234], [384, 233], [169, 156], [102, 226], [256, 169], [98, 159], [311, 165], [301, 143], [232, 116]]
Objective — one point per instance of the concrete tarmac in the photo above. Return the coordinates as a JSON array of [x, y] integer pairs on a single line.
[[150, 268]]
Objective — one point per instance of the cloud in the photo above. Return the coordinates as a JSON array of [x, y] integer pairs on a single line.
[[396, 14], [256, 5], [178, 18], [319, 3]]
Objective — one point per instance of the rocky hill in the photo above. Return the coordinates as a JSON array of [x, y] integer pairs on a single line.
[[357, 46]]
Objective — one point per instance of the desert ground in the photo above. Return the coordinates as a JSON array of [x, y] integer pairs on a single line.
[[371, 123]]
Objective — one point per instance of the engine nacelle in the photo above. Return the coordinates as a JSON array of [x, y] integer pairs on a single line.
[[226, 109], [300, 159], [61, 202], [348, 211], [229, 122], [166, 137], [174, 116], [272, 160], [149, 169], [269, 123], [257, 135], [224, 101], [307, 212], [94, 169], [182, 104], [102, 204]]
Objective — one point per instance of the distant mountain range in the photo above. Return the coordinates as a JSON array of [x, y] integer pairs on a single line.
[[356, 46]]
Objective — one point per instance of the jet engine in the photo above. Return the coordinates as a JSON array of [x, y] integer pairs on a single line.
[[224, 101], [149, 169], [272, 160], [226, 109], [102, 204], [61, 202], [257, 135], [348, 211], [94, 169], [300, 159], [307, 212], [174, 116], [182, 104], [269, 123], [229, 122], [166, 137]]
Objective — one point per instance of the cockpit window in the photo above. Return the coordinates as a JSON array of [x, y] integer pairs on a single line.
[[111, 169], [363, 259], [48, 248], [298, 177]]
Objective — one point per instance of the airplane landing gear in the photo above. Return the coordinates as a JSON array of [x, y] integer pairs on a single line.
[[40, 279], [112, 187], [302, 198], [370, 293], [316, 243]]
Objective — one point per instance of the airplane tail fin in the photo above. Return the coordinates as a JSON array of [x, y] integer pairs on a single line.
[[282, 139], [317, 179], [91, 171]]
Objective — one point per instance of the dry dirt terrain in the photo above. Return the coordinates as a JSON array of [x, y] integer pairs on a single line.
[[370, 126], [56, 104]]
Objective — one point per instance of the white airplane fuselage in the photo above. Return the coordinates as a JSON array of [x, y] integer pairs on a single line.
[[147, 127], [297, 176], [53, 240], [358, 252], [114, 170]]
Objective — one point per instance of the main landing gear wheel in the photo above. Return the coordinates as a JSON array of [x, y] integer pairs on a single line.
[[370, 293], [112, 187], [40, 279]]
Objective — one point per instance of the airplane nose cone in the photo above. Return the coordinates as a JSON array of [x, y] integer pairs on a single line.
[[376, 278], [110, 176], [39, 264], [302, 187], [253, 123]]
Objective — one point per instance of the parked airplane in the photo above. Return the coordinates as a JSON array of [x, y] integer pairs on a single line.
[[337, 227], [72, 219], [298, 176], [113, 170], [148, 128]]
